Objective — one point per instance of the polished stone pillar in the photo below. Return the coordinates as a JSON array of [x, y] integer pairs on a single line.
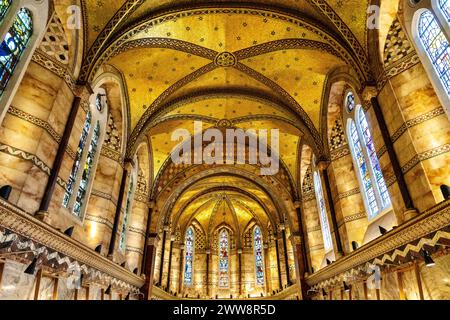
[[112, 244], [57, 164], [150, 205], [149, 265], [240, 271], [300, 265], [411, 211], [163, 252], [169, 267], [302, 234], [280, 282], [208, 257], [180, 271], [286, 257]]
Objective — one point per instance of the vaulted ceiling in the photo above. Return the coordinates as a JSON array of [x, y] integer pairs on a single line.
[[256, 64]]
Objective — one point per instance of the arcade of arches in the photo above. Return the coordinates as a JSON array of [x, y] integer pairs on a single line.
[[92, 206]]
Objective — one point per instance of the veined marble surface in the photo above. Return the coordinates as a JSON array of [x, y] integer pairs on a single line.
[[16, 285]]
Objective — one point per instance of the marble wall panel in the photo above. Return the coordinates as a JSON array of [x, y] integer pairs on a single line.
[[66, 293], [46, 288], [15, 284]]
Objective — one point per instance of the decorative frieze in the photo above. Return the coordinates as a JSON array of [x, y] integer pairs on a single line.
[[21, 223], [425, 156], [416, 121], [414, 230]]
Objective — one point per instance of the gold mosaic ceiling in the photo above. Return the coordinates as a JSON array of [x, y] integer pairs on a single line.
[[170, 51]]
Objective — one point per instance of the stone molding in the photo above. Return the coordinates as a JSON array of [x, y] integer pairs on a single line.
[[431, 221], [23, 224]]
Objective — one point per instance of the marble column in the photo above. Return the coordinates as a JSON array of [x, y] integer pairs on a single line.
[[150, 205], [180, 271], [208, 256], [163, 251], [285, 251], [240, 271], [411, 211], [169, 267], [149, 265], [277, 250], [57, 164], [300, 265]]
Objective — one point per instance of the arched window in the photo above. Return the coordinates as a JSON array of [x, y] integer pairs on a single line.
[[436, 45], [375, 164], [445, 8], [80, 179], [4, 6], [363, 170], [224, 248], [77, 163], [365, 159], [126, 215], [350, 102], [87, 170], [189, 256], [326, 233], [13, 45], [258, 250]]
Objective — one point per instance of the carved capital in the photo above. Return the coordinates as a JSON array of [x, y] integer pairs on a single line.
[[151, 204], [129, 164], [369, 92], [323, 165]]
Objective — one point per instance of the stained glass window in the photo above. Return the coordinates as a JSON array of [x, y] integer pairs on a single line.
[[363, 170], [322, 213], [350, 101], [98, 102], [82, 190], [4, 6], [76, 165], [258, 250], [445, 7], [224, 259], [189, 256], [123, 234], [13, 45], [382, 188], [436, 45]]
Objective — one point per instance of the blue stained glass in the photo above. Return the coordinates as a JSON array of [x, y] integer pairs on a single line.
[[98, 102], [189, 256], [363, 171], [259, 262], [350, 102], [82, 190], [123, 234], [326, 233], [4, 6], [445, 8], [436, 45], [77, 163], [224, 281], [385, 199], [13, 45]]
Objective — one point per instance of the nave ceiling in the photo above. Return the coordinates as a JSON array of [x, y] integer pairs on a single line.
[[258, 64]]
